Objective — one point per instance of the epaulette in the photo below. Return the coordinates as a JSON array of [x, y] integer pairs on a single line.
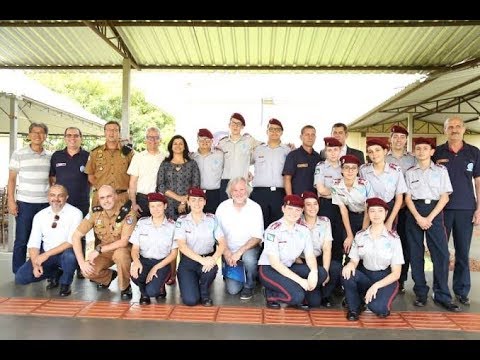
[[217, 148], [225, 137], [365, 165], [324, 218], [96, 208], [96, 148], [275, 225], [210, 215], [394, 166], [127, 149], [360, 231], [181, 217], [440, 166], [171, 221], [302, 223], [361, 181], [144, 217], [124, 210], [336, 181], [393, 233], [411, 167], [247, 135]]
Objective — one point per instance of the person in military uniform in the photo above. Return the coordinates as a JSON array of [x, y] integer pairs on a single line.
[[113, 223], [153, 249], [428, 191], [286, 281], [399, 156], [201, 242], [321, 232], [268, 160], [108, 164], [237, 149], [374, 282]]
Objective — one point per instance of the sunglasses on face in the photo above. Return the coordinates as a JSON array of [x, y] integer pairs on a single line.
[[55, 219]]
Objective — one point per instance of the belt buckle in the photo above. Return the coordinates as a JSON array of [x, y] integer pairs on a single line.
[[273, 188], [428, 201]]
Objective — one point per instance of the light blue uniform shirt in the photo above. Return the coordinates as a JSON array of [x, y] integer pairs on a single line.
[[326, 174], [429, 183], [200, 237], [154, 242], [268, 165], [354, 199], [386, 185], [211, 168]]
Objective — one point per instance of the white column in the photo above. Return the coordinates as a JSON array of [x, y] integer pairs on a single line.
[[13, 146], [410, 132], [126, 98]]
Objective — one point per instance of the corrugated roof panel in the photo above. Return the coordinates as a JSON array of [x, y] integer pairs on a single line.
[[53, 46]]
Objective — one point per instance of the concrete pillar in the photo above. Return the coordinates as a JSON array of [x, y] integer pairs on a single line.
[[13, 146], [126, 98]]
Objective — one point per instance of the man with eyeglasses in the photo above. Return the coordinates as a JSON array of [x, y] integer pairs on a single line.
[[108, 164], [50, 244], [67, 168], [28, 180], [143, 172]]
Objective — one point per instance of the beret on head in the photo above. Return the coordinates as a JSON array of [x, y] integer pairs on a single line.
[[331, 141], [205, 133], [378, 142], [238, 117], [422, 140], [196, 192], [398, 129], [275, 122], [157, 197], [349, 159], [377, 202], [309, 195], [293, 200]]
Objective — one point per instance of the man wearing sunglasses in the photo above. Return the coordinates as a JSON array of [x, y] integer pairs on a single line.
[[50, 244]]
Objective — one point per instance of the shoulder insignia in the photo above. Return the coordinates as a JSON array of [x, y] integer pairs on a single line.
[[171, 221], [97, 208], [247, 135], [324, 218], [301, 222], [129, 220], [275, 225], [96, 148], [393, 233], [144, 218], [127, 149], [209, 215], [411, 167], [394, 166], [223, 138], [440, 166], [360, 232], [361, 181], [337, 181], [181, 217], [124, 210]]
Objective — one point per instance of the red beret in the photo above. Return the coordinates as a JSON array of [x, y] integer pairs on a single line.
[[422, 140], [309, 195], [205, 133], [238, 117], [331, 141], [377, 202], [378, 142], [398, 129], [293, 200], [349, 159], [157, 197], [196, 192], [275, 122]]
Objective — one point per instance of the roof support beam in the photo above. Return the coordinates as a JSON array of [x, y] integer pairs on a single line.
[[116, 42]]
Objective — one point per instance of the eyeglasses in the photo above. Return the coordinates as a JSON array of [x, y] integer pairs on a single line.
[[55, 219], [153, 138], [236, 123], [76, 136], [274, 129], [350, 168]]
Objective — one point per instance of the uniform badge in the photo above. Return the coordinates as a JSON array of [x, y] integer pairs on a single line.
[[82, 168], [100, 154], [129, 220], [178, 224], [100, 168], [270, 237]]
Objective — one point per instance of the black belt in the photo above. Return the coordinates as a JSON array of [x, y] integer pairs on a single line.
[[426, 201], [269, 188], [120, 191], [210, 254]]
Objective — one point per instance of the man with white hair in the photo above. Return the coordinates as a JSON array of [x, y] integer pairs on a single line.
[[241, 220]]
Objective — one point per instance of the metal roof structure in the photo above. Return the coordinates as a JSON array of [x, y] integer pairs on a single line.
[[314, 45]]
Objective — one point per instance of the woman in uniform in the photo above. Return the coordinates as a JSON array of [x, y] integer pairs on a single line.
[[321, 233], [284, 280], [153, 250], [201, 242], [375, 281]]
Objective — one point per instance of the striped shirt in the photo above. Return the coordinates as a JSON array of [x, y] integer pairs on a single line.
[[32, 171]]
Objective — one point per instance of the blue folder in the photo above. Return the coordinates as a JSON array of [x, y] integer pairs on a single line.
[[234, 272]]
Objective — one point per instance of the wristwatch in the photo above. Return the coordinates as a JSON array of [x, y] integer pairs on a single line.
[[98, 249]]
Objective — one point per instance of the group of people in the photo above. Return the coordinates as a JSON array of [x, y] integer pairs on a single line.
[[308, 225]]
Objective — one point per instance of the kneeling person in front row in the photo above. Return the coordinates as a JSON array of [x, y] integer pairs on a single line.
[[49, 245], [113, 224], [196, 235], [153, 249], [375, 282], [284, 241]]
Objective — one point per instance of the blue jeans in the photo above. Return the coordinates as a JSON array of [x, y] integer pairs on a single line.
[[250, 261], [51, 269], [26, 212]]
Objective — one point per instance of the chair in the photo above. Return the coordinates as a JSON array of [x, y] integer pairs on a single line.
[[3, 217]]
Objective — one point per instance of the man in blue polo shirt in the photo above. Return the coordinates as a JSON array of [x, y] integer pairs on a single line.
[[300, 164], [67, 168], [463, 210]]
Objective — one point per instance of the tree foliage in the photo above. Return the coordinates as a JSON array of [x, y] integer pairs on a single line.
[[100, 94]]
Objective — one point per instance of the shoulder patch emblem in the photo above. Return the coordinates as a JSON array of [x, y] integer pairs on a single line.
[[275, 225], [270, 237], [129, 219]]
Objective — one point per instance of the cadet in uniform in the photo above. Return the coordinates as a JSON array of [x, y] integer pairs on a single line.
[[153, 249], [284, 280], [350, 193], [201, 243], [237, 150], [321, 232], [374, 282], [268, 160], [326, 173], [398, 155], [340, 132], [386, 179], [108, 164], [210, 164], [112, 224], [428, 191]]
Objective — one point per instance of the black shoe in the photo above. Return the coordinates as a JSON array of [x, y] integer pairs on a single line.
[[450, 306], [352, 316], [80, 275], [384, 315], [52, 284], [326, 302], [101, 286], [303, 307], [207, 302], [144, 300], [127, 293], [273, 305], [463, 300], [246, 294], [65, 290], [401, 287], [420, 302]]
